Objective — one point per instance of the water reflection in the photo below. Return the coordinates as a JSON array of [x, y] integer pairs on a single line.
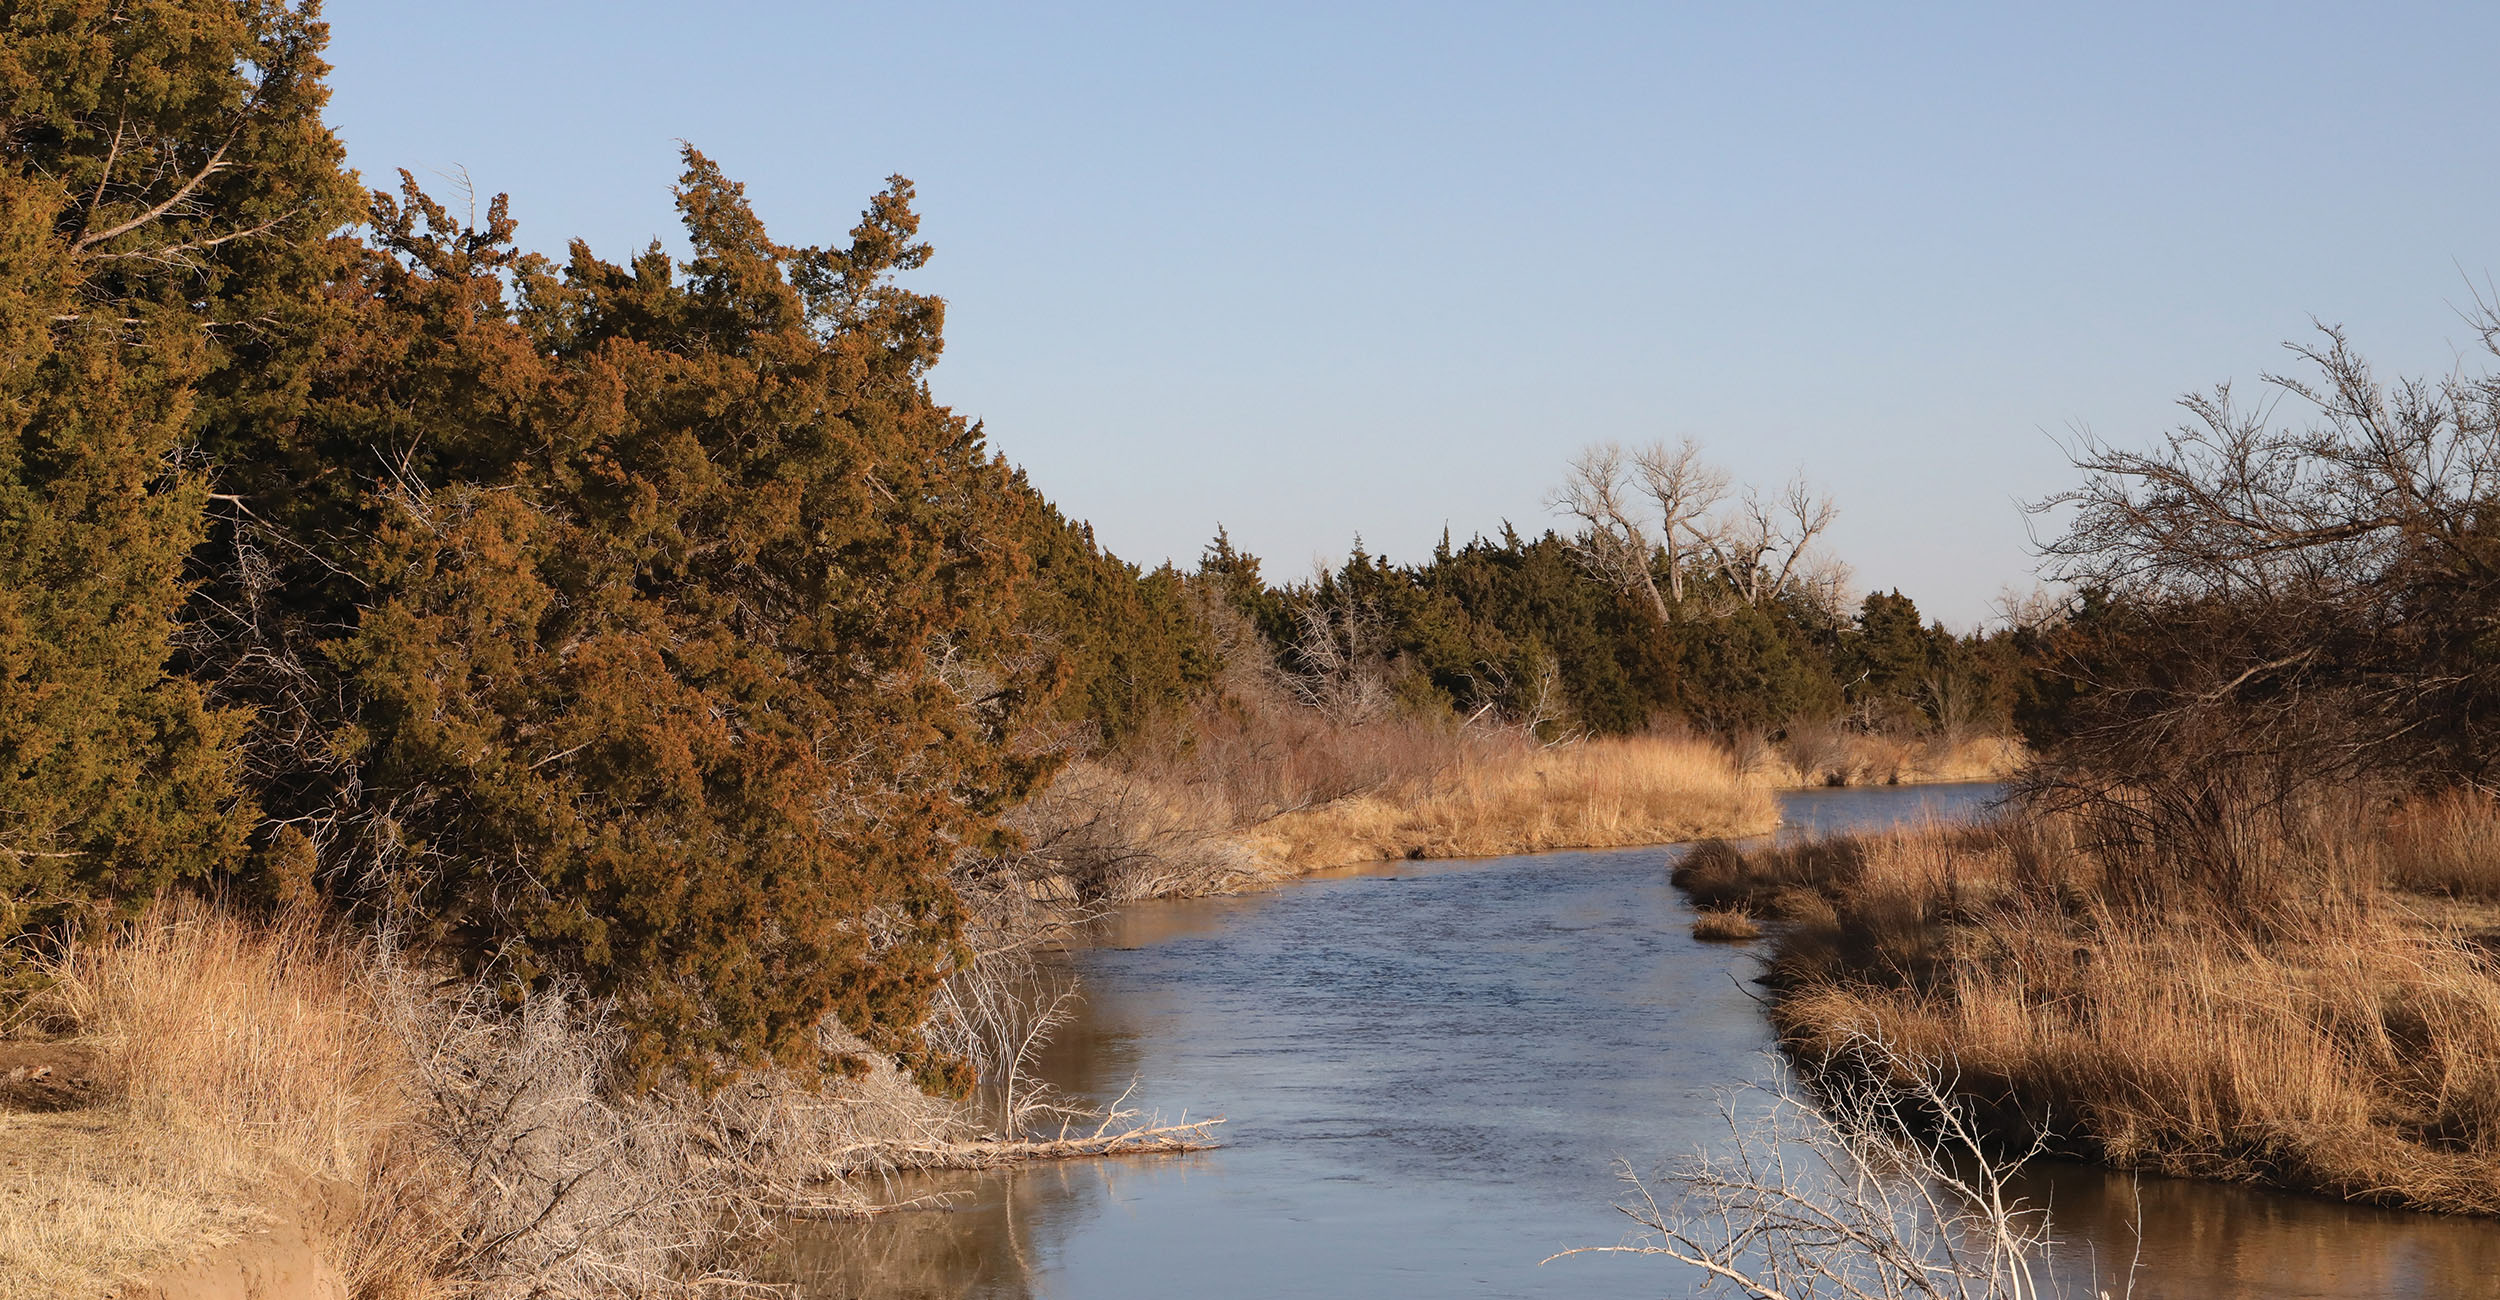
[[991, 1235], [1430, 1070], [2205, 1242]]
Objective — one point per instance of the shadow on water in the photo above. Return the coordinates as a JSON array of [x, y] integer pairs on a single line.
[[1430, 1071]]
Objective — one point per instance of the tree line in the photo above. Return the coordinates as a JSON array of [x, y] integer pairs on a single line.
[[646, 623]]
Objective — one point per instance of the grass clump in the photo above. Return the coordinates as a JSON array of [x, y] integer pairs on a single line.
[[1725, 926], [246, 1070], [2325, 1017]]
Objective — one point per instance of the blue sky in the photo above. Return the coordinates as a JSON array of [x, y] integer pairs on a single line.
[[1314, 271]]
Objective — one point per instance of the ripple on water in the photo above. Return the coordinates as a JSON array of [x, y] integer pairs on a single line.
[[1430, 1071]]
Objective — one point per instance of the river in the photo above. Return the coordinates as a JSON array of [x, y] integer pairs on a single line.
[[1430, 1074]]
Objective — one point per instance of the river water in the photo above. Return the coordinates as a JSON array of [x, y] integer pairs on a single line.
[[1431, 1075]]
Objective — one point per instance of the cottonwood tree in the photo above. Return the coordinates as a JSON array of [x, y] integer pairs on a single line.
[[1760, 548], [1614, 540], [1763, 546], [1685, 489]]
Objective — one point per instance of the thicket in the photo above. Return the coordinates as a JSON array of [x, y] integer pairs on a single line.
[[1523, 629], [2236, 920], [643, 623], [645, 627]]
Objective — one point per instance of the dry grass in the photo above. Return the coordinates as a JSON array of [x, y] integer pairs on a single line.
[[2448, 844], [1829, 754], [1257, 787], [1511, 796], [244, 1067], [453, 1144], [1725, 925], [2335, 1033]]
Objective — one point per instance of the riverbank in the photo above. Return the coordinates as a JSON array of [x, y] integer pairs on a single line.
[[2323, 1017], [1280, 796], [201, 1091], [1605, 793], [201, 1104]]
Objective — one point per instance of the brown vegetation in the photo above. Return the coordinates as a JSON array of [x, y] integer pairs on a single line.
[[1831, 754], [235, 1068], [1217, 819], [240, 1075], [1725, 925], [1522, 798], [2309, 1018], [1275, 775]]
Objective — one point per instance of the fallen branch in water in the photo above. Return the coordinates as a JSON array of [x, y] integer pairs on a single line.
[[1162, 1139], [991, 1153], [995, 1153], [821, 1208]]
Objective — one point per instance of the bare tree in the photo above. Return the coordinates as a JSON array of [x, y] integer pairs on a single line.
[[2312, 590], [1888, 1189], [1762, 547], [1615, 542], [1341, 668], [1685, 489], [1760, 544], [2232, 504]]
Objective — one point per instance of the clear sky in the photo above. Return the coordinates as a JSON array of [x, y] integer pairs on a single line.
[[1327, 270]]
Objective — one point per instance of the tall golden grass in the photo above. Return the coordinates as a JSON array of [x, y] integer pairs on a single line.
[[246, 1072], [1830, 754], [1517, 797], [1259, 789], [2339, 1034], [435, 1136]]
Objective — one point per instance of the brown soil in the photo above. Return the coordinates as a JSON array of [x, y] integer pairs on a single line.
[[281, 1261], [50, 1076]]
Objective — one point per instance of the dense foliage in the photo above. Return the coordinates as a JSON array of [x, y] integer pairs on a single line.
[[167, 194], [1517, 628], [643, 624]]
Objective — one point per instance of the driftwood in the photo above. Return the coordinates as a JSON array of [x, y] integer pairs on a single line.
[[998, 1153], [993, 1152]]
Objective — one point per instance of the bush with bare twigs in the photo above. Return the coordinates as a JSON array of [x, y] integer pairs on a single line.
[[452, 1139], [2308, 1017], [1859, 1192]]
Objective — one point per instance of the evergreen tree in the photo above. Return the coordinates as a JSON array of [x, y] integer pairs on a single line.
[[166, 179], [1128, 645], [690, 654]]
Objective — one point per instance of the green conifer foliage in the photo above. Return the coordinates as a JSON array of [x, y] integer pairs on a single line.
[[688, 653], [165, 167], [1128, 644], [114, 777]]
